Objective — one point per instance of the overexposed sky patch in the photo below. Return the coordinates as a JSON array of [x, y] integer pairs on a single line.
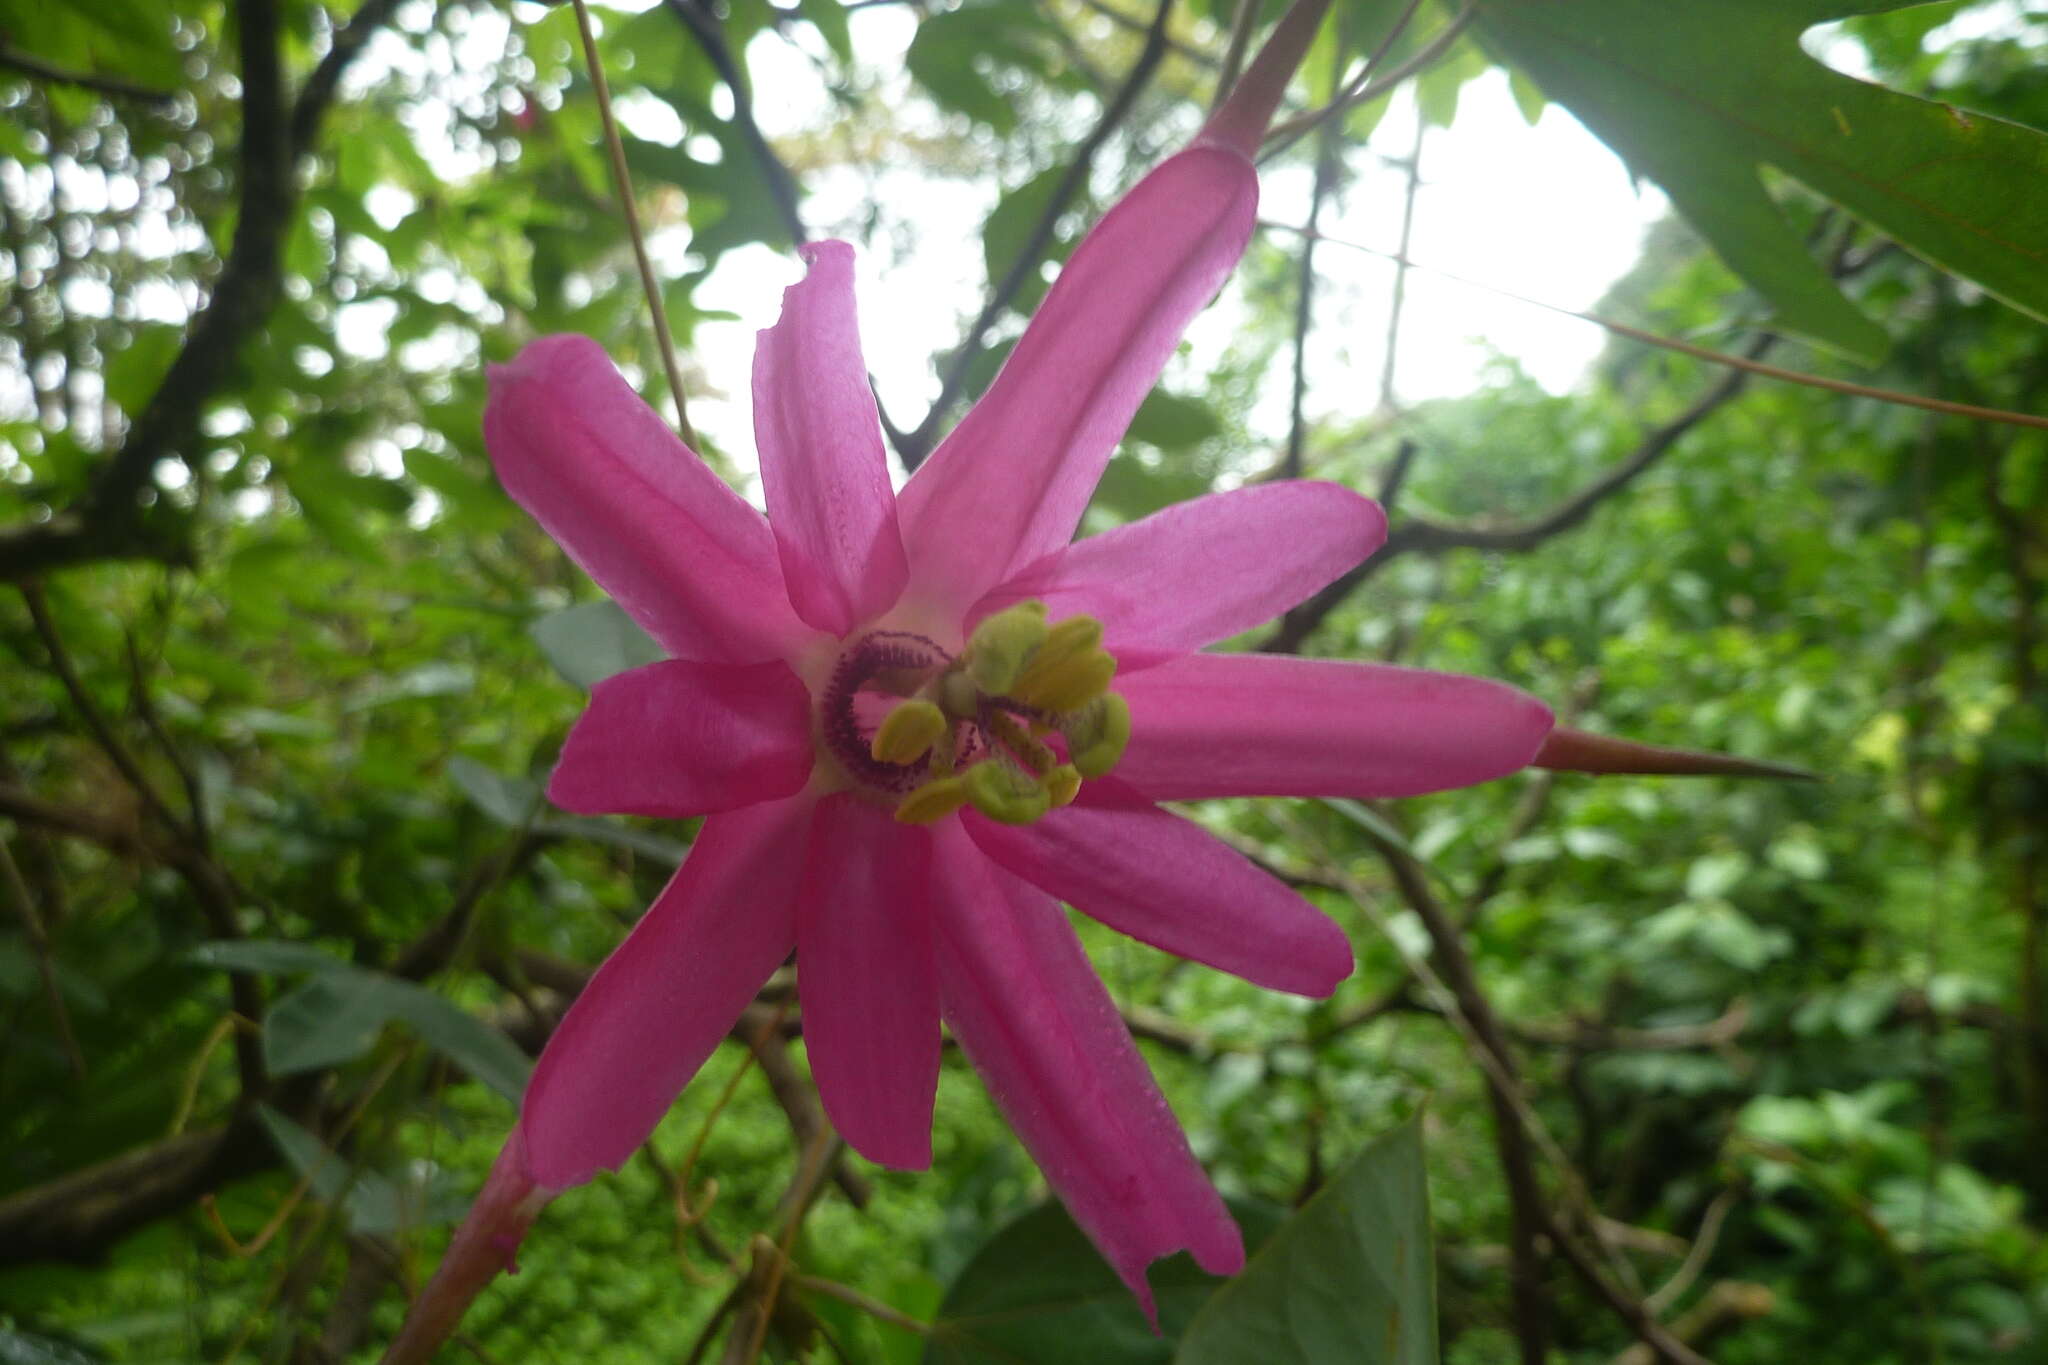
[[1547, 211]]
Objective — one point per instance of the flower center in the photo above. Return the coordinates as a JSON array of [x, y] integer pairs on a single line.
[[1011, 726]]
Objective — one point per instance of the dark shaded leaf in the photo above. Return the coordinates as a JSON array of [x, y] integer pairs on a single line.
[[1349, 1277]]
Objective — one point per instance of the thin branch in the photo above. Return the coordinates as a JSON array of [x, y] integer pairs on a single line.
[[1697, 1256], [110, 521], [622, 186], [13, 59], [1241, 25], [782, 188], [344, 45], [17, 892], [1396, 304], [1328, 163], [1293, 130], [1414, 535], [800, 1106], [913, 446], [1844, 266], [1518, 1129]]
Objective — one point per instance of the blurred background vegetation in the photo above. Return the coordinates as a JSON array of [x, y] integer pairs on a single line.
[[285, 671]]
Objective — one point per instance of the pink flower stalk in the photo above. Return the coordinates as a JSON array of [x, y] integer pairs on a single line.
[[919, 723]]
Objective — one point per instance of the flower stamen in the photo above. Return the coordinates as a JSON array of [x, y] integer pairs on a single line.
[[1012, 726]]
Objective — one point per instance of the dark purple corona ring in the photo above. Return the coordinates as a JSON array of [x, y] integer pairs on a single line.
[[873, 659]]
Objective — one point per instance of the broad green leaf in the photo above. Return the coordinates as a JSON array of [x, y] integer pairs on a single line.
[[1701, 97], [1038, 1287], [1172, 422], [590, 642], [1006, 233], [1350, 1277]]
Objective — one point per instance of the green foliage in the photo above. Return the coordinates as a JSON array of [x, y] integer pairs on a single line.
[[1794, 1028], [1701, 97], [1351, 1276]]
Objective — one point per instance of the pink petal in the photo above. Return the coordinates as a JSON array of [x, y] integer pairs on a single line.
[[661, 1002], [1267, 725], [1030, 1013], [1009, 484], [675, 739], [1117, 858], [644, 516], [822, 464], [865, 974], [1204, 570]]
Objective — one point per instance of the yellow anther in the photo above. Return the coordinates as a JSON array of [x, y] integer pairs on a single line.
[[1068, 685], [1003, 791], [999, 646], [1069, 669], [933, 801], [907, 732], [1062, 784], [1096, 736]]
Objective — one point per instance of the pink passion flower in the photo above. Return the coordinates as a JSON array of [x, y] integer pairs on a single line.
[[919, 723]]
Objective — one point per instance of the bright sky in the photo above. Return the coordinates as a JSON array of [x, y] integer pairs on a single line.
[[1545, 211]]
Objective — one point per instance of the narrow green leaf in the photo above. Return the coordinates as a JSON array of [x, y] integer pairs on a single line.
[[265, 955], [511, 801], [484, 1052], [332, 1019]]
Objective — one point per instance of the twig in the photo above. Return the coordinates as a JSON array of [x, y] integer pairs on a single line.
[[800, 1107], [873, 1307], [1697, 1256], [13, 59], [1749, 363], [1293, 130], [1328, 162], [782, 186], [1400, 298], [1414, 535], [622, 184], [913, 446], [108, 522], [16, 887], [1241, 25], [1518, 1128], [211, 886]]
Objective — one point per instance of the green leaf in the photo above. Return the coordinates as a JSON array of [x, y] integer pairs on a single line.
[[330, 1020], [335, 1018], [21, 1347], [1171, 422], [374, 1204], [1006, 234], [590, 642], [484, 1052], [1700, 97], [264, 955], [511, 801], [1039, 1286], [1351, 1277]]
